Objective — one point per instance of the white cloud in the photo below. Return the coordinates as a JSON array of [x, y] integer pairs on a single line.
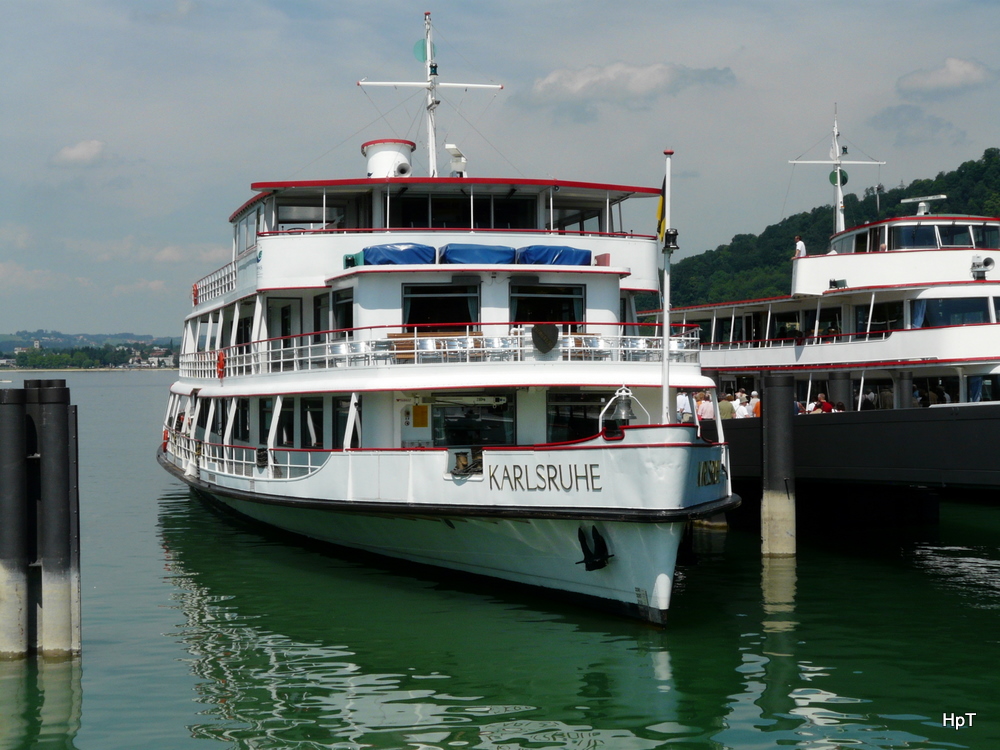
[[204, 253], [954, 76], [620, 82], [14, 236], [82, 154], [138, 287], [914, 127], [15, 277]]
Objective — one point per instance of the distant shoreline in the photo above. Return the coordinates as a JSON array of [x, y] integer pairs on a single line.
[[90, 369]]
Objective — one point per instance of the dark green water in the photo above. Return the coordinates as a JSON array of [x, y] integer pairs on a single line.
[[200, 632]]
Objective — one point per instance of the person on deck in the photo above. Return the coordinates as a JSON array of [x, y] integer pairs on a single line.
[[704, 409], [800, 248], [726, 407]]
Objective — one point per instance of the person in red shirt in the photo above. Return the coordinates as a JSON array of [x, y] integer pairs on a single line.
[[822, 404]]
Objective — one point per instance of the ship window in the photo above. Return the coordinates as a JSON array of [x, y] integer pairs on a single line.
[[784, 325], [830, 322], [514, 213], [887, 316], [955, 236], [436, 307], [461, 424], [547, 303], [285, 435], [343, 311], [987, 237], [933, 313], [913, 237], [311, 418], [842, 245], [309, 214], [241, 420], [321, 315], [573, 416]]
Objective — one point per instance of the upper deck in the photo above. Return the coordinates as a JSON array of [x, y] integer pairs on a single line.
[[302, 234], [908, 251]]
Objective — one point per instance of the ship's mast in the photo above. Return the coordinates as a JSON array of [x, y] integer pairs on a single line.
[[838, 177], [431, 84]]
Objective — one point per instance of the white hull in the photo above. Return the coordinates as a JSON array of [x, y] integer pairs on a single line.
[[543, 552], [520, 519]]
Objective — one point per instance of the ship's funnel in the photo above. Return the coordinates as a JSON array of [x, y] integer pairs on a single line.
[[388, 157]]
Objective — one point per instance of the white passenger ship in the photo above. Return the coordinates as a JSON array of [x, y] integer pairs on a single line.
[[896, 313], [446, 370]]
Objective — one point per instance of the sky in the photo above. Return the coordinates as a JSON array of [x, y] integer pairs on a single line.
[[129, 131]]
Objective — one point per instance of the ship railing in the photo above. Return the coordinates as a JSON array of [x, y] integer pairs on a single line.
[[216, 284], [192, 454], [431, 344], [793, 341]]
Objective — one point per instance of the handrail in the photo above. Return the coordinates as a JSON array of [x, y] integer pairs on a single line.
[[406, 345]]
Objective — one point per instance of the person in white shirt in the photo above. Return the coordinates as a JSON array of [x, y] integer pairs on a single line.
[[800, 248]]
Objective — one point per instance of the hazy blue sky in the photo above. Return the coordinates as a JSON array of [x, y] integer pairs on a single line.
[[130, 130]]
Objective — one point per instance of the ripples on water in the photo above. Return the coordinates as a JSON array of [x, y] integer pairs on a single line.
[[296, 648]]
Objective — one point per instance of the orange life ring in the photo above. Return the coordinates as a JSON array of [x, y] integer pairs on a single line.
[[194, 293], [220, 366], [166, 437]]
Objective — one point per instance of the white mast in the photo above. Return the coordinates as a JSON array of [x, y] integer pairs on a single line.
[[431, 84], [669, 237], [835, 177]]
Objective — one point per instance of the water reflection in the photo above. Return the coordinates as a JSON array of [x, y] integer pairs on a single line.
[[294, 648], [41, 702]]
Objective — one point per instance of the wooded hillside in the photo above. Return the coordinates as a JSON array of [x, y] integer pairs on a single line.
[[754, 266]]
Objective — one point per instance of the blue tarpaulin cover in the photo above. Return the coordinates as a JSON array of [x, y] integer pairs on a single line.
[[457, 252], [559, 255], [398, 253]]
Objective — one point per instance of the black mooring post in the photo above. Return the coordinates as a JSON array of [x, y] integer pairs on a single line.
[[777, 506], [57, 627], [14, 527]]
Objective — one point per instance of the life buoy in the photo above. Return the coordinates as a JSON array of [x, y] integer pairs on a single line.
[[194, 294], [220, 365], [166, 438]]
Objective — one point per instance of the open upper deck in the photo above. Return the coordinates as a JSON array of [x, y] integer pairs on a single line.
[[911, 250], [300, 234]]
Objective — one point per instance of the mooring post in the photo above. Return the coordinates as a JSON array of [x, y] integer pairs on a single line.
[[777, 505], [57, 628], [14, 527]]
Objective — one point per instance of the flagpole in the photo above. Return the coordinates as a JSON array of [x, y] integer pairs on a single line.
[[668, 236]]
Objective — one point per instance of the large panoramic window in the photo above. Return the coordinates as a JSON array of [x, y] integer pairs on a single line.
[[547, 303], [913, 237], [931, 313], [438, 307], [886, 316], [955, 235]]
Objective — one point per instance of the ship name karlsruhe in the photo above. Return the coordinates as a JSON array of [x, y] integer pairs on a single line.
[[571, 477]]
